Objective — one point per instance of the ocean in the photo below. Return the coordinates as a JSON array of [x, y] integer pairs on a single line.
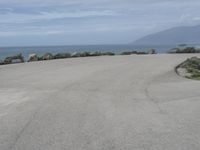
[[40, 50]]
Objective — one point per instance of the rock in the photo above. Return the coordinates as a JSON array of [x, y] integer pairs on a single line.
[[47, 56], [152, 51], [174, 50], [32, 57], [1, 62], [14, 59], [76, 54]]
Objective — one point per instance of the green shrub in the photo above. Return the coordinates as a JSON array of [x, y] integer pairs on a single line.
[[185, 50], [62, 55], [129, 52], [192, 66]]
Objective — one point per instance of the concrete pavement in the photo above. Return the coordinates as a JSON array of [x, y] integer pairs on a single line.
[[99, 103]]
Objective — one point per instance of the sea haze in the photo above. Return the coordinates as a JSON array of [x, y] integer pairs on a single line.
[[40, 50]]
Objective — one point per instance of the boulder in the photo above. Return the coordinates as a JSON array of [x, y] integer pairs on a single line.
[[32, 57], [76, 54], [14, 59], [47, 56], [1, 62], [152, 51]]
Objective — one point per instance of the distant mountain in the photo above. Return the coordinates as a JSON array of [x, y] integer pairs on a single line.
[[177, 35]]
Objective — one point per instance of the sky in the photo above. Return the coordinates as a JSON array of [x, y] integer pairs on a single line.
[[85, 22]]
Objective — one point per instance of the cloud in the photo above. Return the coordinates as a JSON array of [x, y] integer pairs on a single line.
[[23, 33], [91, 2], [11, 17], [133, 18]]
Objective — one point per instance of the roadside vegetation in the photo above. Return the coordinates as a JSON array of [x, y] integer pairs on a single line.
[[133, 52], [49, 56], [151, 51], [185, 50], [192, 68]]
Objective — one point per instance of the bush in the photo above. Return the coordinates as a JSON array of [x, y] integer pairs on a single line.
[[109, 53], [192, 66], [62, 55], [142, 53], [185, 50], [85, 54], [129, 52], [96, 54]]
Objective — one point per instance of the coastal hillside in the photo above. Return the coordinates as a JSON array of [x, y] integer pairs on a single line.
[[177, 35]]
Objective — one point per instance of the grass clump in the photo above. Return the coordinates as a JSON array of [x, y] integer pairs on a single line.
[[192, 66]]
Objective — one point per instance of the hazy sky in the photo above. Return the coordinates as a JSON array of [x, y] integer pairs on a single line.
[[68, 22]]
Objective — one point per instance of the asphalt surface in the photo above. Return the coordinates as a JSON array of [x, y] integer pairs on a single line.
[[99, 103]]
